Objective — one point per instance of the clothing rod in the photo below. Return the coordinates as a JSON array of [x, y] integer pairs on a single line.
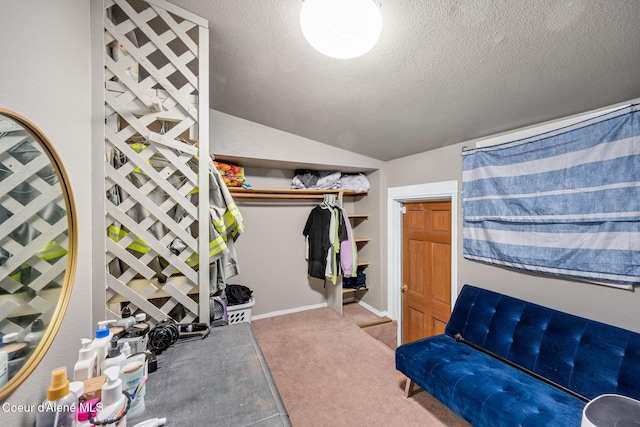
[[276, 196], [291, 194]]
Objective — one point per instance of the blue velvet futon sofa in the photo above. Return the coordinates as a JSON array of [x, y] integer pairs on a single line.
[[581, 356]]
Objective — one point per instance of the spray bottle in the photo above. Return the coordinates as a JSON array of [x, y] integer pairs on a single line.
[[59, 408]]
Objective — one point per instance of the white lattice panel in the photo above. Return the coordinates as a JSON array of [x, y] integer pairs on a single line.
[[155, 114], [33, 230]]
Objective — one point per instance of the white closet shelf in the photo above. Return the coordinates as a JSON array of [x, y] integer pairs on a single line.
[[278, 193]]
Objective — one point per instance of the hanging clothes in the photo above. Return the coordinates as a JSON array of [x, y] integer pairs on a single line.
[[225, 223], [337, 234], [348, 250], [316, 232], [325, 231]]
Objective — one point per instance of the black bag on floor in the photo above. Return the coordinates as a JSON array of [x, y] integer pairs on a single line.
[[237, 294]]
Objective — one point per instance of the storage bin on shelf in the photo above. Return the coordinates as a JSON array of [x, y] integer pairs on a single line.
[[240, 313]]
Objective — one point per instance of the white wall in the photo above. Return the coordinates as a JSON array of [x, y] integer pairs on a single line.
[[271, 249], [45, 66], [260, 145]]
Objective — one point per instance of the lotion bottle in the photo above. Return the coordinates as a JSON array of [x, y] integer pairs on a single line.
[[58, 410], [86, 366], [115, 357], [101, 343], [114, 404]]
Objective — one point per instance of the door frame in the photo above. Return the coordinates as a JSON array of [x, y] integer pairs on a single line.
[[396, 196]]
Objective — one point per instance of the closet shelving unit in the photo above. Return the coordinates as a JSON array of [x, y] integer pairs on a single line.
[[360, 242], [335, 295]]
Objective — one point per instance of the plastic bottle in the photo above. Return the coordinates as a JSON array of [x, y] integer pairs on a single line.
[[134, 381], [152, 422], [127, 319], [15, 351], [114, 403], [59, 408], [115, 357], [86, 366], [36, 333], [4, 368], [86, 409], [137, 334], [126, 349], [77, 388], [101, 343], [8, 339], [142, 326]]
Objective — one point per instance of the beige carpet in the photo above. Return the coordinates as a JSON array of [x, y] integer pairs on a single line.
[[381, 328], [361, 316], [330, 372]]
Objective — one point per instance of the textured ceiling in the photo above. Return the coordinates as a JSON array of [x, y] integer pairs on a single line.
[[443, 71]]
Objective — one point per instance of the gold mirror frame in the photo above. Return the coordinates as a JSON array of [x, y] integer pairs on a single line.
[[65, 292]]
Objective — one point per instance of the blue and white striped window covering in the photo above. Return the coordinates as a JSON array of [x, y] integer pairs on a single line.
[[564, 202]]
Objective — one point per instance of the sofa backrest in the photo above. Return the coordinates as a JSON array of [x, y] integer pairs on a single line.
[[588, 357]]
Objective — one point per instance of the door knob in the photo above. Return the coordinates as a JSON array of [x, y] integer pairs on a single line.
[[404, 287]]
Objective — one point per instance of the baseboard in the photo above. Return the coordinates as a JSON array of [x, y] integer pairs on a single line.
[[313, 307], [373, 310], [288, 311]]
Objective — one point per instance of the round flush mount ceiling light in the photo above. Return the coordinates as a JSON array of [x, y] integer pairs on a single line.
[[341, 28]]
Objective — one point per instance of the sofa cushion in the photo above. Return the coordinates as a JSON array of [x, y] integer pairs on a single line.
[[483, 390], [586, 356]]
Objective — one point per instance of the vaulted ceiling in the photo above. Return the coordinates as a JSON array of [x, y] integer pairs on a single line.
[[443, 71]]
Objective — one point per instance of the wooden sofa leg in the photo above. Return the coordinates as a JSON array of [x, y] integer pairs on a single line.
[[408, 387]]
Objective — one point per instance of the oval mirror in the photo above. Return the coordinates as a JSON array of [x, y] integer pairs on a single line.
[[37, 247]]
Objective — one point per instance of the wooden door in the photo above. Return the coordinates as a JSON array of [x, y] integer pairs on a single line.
[[426, 302]]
